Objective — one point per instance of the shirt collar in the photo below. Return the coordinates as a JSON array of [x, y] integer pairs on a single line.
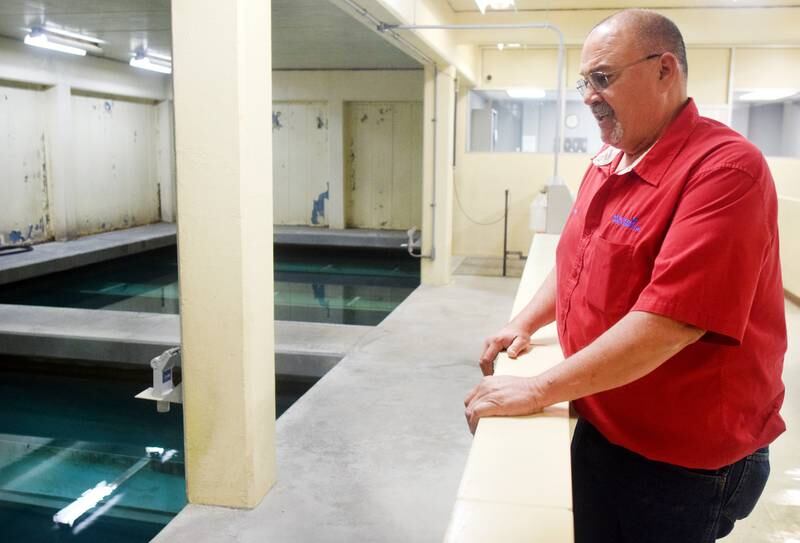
[[655, 162]]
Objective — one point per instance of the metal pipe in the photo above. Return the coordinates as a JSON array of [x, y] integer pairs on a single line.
[[379, 26], [505, 235], [433, 180]]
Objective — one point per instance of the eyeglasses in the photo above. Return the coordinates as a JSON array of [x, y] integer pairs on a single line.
[[600, 81]]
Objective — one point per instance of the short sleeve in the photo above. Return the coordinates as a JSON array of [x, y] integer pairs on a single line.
[[707, 270]]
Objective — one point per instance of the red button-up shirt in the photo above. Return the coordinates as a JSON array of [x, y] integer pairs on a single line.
[[689, 233]]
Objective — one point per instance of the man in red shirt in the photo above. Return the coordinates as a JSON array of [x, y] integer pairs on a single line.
[[668, 300]]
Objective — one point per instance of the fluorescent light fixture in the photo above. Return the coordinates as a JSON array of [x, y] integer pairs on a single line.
[[525, 93], [764, 95], [40, 40], [72, 35], [159, 56], [151, 62], [64, 41], [494, 4]]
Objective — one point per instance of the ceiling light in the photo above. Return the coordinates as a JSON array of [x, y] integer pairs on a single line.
[[41, 40], [764, 95], [501, 46], [73, 35], [526, 93], [494, 4], [152, 62]]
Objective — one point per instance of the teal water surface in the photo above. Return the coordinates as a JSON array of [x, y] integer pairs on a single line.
[[64, 429], [311, 285]]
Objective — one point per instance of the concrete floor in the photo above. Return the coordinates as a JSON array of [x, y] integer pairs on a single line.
[[375, 451]]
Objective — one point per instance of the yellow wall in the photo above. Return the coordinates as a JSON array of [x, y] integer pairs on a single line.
[[480, 182], [708, 74], [755, 68], [519, 68]]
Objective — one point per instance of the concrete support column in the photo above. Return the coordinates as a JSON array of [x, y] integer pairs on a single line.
[[59, 150], [165, 160], [336, 198], [437, 179], [223, 101]]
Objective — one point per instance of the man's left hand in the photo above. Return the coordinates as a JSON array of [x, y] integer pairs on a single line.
[[502, 395]]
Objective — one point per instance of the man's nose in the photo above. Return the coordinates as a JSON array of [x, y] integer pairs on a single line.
[[591, 96]]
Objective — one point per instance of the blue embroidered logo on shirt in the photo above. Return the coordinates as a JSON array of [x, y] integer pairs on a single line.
[[626, 222]]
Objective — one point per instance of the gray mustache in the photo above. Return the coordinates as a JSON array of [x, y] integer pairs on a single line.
[[602, 109]]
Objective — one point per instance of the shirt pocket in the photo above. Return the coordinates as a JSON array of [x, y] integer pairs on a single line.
[[611, 277]]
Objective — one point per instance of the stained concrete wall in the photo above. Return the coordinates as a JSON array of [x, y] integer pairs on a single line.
[[84, 150], [335, 88], [383, 165], [300, 173], [114, 184], [23, 166]]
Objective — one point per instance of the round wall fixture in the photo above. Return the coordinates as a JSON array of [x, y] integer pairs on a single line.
[[571, 121]]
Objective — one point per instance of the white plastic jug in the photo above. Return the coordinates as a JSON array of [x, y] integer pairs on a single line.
[[538, 217]]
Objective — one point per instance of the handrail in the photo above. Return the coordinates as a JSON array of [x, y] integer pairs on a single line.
[[517, 485]]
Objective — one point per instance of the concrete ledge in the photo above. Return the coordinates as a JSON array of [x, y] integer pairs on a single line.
[[353, 238], [59, 256], [518, 476], [119, 337]]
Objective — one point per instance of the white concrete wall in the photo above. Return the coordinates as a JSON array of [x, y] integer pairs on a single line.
[[335, 88], [300, 163], [23, 166], [791, 129], [114, 184], [764, 119], [102, 169], [786, 172]]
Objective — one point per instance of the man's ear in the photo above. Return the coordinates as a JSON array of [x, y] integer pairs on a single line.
[[668, 66]]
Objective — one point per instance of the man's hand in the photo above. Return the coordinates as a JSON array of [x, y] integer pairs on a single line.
[[503, 395], [513, 338]]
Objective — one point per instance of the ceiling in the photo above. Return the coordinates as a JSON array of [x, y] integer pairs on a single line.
[[306, 34], [561, 5]]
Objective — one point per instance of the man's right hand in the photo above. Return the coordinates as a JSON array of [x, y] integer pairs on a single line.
[[514, 339]]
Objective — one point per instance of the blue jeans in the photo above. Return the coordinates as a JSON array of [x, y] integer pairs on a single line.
[[622, 497]]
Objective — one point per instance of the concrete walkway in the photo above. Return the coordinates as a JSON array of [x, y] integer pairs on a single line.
[[376, 449], [56, 256]]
